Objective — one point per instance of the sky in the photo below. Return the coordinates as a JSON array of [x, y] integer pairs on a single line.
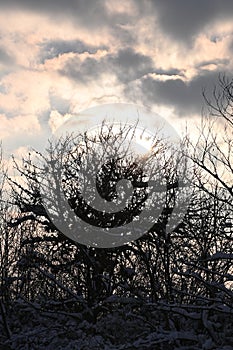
[[58, 58]]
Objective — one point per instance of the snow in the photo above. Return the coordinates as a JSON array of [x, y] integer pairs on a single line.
[[119, 327]]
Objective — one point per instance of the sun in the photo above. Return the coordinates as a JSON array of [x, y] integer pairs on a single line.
[[146, 125]]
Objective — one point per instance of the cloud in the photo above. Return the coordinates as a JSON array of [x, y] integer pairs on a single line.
[[59, 57], [19, 131], [58, 103], [129, 65], [185, 97], [26, 92], [82, 71], [70, 6], [5, 57], [231, 46], [183, 20], [215, 62], [56, 120], [91, 13], [126, 65], [54, 48]]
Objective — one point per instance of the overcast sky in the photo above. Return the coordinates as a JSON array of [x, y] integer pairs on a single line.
[[60, 57]]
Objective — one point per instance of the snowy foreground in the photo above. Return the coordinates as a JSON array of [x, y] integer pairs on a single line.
[[115, 324]]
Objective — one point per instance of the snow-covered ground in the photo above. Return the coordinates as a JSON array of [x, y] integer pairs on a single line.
[[115, 326]]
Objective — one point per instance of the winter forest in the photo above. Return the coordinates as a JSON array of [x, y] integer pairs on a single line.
[[165, 290]]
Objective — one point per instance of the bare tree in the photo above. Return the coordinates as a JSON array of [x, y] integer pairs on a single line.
[[213, 154], [96, 273], [180, 276]]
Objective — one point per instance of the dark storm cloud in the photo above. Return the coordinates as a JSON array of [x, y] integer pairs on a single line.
[[90, 13], [129, 65], [186, 98], [83, 72], [180, 19], [54, 48], [126, 65], [128, 37], [75, 7], [184, 19]]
